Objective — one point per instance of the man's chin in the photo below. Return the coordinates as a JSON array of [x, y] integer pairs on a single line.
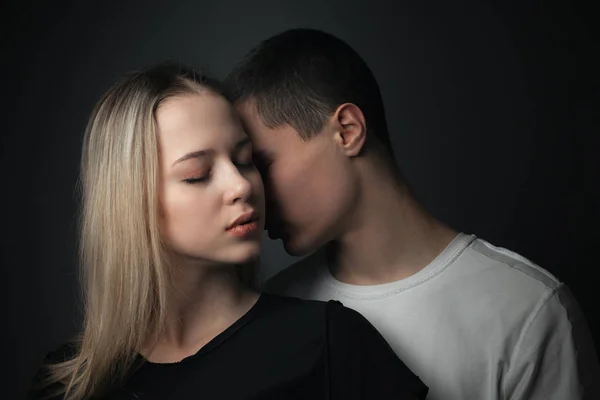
[[273, 235], [293, 244], [294, 247]]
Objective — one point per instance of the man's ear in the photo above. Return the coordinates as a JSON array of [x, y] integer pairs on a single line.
[[351, 128]]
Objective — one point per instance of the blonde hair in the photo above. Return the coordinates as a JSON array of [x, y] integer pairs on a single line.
[[125, 273]]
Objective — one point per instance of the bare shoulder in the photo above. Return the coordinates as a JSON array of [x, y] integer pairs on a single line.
[[297, 279]]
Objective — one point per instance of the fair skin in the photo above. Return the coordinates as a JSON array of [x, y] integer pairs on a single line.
[[334, 189], [207, 181]]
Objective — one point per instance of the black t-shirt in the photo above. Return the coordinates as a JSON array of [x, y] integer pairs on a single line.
[[283, 348]]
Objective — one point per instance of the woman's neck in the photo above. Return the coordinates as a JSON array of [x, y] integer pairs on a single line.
[[203, 301]]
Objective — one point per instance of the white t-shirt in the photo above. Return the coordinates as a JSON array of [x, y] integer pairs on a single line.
[[479, 322]]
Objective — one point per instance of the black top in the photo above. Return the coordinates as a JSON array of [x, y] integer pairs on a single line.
[[283, 348]]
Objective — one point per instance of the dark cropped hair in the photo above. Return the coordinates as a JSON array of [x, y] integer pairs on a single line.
[[300, 77]]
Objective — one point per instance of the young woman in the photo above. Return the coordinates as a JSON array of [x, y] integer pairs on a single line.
[[171, 222]]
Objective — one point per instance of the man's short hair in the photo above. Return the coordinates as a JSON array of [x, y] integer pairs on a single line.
[[301, 76]]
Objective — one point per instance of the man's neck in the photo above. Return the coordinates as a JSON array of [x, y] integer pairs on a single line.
[[389, 237]]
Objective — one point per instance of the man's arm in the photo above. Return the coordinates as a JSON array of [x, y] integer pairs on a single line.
[[555, 356]]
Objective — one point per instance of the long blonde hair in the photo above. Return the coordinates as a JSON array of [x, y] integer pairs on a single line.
[[125, 273]]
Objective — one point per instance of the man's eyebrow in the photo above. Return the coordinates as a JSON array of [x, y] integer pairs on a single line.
[[260, 154], [244, 142]]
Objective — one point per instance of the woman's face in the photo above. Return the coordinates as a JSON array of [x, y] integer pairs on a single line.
[[211, 195]]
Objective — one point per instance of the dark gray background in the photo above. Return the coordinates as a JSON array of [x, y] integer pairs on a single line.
[[492, 106]]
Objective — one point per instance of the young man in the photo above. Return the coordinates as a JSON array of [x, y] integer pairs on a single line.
[[472, 320]]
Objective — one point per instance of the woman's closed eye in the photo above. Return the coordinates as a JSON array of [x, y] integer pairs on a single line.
[[200, 178]]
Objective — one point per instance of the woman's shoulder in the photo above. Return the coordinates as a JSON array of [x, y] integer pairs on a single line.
[[359, 353], [286, 315], [305, 308], [294, 302], [329, 319], [360, 360], [332, 310]]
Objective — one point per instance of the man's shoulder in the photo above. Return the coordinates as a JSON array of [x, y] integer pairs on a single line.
[[509, 284], [507, 264], [300, 278]]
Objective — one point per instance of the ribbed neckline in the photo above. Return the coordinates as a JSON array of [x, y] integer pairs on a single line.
[[374, 292]]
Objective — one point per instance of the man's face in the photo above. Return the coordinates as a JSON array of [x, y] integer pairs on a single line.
[[308, 184]]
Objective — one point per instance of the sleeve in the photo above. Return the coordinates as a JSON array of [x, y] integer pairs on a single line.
[[40, 389], [361, 363], [554, 358]]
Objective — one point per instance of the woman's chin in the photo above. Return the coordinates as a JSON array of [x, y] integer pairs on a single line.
[[239, 253], [245, 253]]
